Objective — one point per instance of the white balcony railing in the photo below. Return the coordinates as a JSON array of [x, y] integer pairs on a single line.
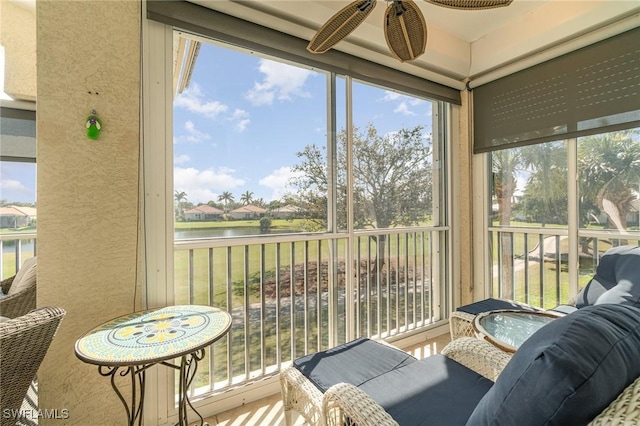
[[531, 265], [288, 294], [15, 248]]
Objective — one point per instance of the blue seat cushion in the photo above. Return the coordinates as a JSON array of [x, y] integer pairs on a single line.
[[487, 305], [617, 279], [432, 391], [567, 372], [353, 362]]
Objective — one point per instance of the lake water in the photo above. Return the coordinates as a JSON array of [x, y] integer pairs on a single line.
[[10, 246], [185, 234], [179, 234]]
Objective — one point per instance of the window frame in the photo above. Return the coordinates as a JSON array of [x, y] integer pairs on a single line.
[[158, 207]]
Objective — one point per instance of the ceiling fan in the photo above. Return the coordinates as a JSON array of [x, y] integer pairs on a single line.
[[404, 26]]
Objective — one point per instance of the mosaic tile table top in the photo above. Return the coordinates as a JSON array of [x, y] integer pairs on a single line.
[[153, 336]]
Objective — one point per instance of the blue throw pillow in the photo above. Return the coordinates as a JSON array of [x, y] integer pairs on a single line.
[[568, 372], [617, 279]]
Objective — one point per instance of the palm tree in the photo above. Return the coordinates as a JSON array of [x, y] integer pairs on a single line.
[[246, 198], [545, 195], [609, 168], [180, 197], [505, 164], [226, 197]]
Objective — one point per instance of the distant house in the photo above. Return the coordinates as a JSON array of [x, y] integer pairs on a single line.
[[203, 213], [247, 212], [287, 212], [17, 216]]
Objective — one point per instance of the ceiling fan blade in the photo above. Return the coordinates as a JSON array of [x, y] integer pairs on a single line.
[[471, 4], [405, 30], [340, 25]]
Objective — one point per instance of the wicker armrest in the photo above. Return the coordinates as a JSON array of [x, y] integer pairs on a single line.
[[18, 304], [5, 284], [624, 410], [345, 404], [461, 325], [478, 355], [24, 342], [299, 394]]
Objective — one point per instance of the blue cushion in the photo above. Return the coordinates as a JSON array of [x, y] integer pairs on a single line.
[[487, 305], [353, 362], [433, 391], [568, 371], [617, 279]]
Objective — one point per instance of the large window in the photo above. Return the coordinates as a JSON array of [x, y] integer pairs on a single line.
[[245, 129], [18, 213], [305, 202], [564, 156], [258, 153], [393, 158], [537, 206]]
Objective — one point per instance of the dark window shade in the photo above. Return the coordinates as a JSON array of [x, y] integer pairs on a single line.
[[592, 90], [202, 21], [18, 135]]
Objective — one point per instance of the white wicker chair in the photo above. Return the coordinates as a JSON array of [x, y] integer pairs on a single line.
[[347, 405], [344, 401]]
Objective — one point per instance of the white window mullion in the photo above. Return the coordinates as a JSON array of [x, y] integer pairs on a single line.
[[350, 281], [573, 222], [332, 219], [158, 213]]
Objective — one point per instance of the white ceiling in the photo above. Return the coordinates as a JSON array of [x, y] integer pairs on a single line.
[[460, 44]]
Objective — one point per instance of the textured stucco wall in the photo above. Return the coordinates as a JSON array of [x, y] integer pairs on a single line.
[[88, 58], [18, 37]]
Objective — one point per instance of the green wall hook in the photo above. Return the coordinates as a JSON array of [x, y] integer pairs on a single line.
[[94, 125]]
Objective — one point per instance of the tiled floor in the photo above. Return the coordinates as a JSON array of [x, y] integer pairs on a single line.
[[268, 411]]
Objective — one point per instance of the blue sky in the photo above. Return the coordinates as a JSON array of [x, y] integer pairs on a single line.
[[240, 123], [18, 182]]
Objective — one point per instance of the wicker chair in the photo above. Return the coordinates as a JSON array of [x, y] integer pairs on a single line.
[[19, 291], [346, 404], [345, 401], [567, 390], [24, 342]]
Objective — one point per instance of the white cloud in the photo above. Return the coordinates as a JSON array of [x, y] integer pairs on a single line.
[[192, 99], [180, 159], [405, 102], [391, 96], [277, 181], [13, 185], [403, 108], [241, 119], [261, 94], [193, 135], [280, 81], [201, 185]]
